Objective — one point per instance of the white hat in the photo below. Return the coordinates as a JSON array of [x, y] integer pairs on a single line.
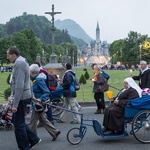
[[134, 85]]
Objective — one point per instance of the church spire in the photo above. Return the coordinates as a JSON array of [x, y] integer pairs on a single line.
[[97, 32], [97, 28]]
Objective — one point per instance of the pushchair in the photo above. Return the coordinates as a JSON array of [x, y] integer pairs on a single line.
[[56, 99], [6, 116]]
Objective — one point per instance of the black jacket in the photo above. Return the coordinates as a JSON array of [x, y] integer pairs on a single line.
[[67, 82], [145, 79], [99, 81]]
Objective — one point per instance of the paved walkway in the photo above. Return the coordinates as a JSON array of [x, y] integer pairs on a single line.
[[90, 142]]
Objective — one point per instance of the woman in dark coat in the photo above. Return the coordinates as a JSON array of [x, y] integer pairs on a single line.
[[114, 114], [98, 96]]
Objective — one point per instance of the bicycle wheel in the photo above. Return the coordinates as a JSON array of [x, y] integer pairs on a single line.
[[57, 102], [141, 126], [8, 126], [74, 136]]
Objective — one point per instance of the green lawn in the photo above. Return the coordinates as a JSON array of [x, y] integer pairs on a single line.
[[85, 93], [3, 84], [116, 80]]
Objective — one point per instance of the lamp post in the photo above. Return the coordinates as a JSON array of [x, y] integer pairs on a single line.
[[73, 59], [121, 54], [140, 46]]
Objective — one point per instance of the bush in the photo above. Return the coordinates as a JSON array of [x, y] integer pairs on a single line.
[[8, 78], [82, 79], [84, 69], [7, 93], [86, 75], [2, 71]]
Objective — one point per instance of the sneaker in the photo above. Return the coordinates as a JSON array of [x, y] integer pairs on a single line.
[[56, 136], [59, 121], [74, 122], [33, 145], [98, 112]]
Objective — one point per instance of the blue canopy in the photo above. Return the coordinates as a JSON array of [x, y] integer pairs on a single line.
[[141, 103]]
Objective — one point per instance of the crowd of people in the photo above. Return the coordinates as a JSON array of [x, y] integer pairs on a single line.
[[39, 95], [6, 68]]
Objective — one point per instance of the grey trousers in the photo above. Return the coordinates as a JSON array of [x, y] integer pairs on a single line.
[[41, 116], [70, 102]]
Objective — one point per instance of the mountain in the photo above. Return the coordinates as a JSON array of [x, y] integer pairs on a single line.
[[81, 45], [74, 29]]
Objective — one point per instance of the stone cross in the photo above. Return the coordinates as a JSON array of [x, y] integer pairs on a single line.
[[53, 56]]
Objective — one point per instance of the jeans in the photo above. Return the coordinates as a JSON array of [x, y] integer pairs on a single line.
[[24, 135], [49, 114]]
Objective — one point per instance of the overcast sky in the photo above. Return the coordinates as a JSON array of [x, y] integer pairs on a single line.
[[116, 17]]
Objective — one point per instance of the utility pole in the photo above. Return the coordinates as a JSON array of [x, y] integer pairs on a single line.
[[53, 56]]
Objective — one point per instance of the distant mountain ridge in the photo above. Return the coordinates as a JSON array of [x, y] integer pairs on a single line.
[[73, 29]]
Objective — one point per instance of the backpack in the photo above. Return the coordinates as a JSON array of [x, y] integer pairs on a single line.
[[75, 83], [52, 82], [106, 76]]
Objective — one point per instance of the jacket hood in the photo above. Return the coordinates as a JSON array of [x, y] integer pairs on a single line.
[[70, 71]]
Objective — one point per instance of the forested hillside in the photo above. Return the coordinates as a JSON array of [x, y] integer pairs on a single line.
[[39, 24]]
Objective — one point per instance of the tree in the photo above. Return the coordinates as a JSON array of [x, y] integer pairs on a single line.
[[132, 49], [145, 50], [82, 79], [116, 50], [127, 50], [25, 41], [86, 75]]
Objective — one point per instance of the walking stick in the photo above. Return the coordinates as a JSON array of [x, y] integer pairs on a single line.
[[114, 88]]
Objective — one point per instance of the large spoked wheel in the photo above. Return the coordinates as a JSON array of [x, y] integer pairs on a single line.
[[141, 126], [57, 102], [74, 136]]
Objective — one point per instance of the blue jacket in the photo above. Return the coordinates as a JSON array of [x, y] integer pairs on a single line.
[[40, 89], [69, 90]]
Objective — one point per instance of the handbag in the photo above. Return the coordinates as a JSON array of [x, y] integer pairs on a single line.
[[104, 87]]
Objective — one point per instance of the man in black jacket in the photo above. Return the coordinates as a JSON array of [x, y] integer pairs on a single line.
[[69, 94], [144, 76]]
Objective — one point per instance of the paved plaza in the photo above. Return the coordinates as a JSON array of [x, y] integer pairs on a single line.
[[90, 142]]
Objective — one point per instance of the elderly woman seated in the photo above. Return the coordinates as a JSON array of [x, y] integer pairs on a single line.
[[113, 121]]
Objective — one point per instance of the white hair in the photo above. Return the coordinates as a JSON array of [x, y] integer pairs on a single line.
[[97, 67], [34, 68], [143, 62]]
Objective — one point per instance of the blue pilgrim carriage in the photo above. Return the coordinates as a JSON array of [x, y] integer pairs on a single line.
[[137, 113]]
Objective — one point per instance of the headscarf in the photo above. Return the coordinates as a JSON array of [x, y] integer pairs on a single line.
[[133, 84]]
